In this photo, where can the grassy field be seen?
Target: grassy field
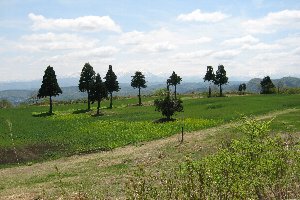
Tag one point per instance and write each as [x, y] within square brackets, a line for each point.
[28, 135]
[105, 175]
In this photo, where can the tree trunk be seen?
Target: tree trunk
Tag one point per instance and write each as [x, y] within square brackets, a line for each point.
[140, 101]
[110, 105]
[50, 111]
[221, 90]
[98, 108]
[89, 102]
[175, 92]
[209, 91]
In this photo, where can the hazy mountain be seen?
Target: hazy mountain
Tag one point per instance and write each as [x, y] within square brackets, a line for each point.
[254, 84]
[18, 92]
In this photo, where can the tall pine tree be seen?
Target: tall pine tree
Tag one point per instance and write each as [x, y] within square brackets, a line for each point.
[174, 80]
[49, 87]
[209, 76]
[138, 81]
[98, 92]
[86, 81]
[220, 78]
[111, 83]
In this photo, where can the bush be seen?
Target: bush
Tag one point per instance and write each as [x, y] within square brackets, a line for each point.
[168, 106]
[258, 166]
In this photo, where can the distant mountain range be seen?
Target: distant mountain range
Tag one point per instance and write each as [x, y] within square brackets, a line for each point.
[18, 92]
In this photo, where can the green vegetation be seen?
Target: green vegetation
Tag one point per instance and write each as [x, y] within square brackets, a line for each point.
[256, 166]
[49, 87]
[138, 81]
[37, 136]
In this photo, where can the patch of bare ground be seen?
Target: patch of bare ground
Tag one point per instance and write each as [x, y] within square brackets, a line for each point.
[106, 172]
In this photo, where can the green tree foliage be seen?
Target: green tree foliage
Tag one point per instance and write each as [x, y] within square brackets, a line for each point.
[111, 83]
[98, 92]
[220, 78]
[86, 81]
[242, 88]
[138, 81]
[168, 106]
[49, 87]
[267, 86]
[209, 76]
[174, 80]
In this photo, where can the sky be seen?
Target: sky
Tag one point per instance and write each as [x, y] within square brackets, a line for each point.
[253, 38]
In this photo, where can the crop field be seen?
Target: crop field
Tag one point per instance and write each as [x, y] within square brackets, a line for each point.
[29, 135]
[35, 137]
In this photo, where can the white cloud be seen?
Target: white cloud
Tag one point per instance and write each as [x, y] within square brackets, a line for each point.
[226, 54]
[52, 41]
[193, 55]
[100, 52]
[153, 41]
[85, 23]
[261, 46]
[199, 16]
[274, 21]
[246, 40]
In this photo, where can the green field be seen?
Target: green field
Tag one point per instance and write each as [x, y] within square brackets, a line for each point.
[36, 136]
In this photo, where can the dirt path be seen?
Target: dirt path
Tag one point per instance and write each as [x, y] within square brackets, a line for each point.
[149, 153]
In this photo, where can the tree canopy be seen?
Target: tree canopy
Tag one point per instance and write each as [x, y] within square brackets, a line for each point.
[209, 76]
[98, 91]
[49, 87]
[86, 80]
[220, 78]
[174, 80]
[267, 86]
[111, 83]
[138, 81]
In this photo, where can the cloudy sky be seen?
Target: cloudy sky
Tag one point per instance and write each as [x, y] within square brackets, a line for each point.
[250, 38]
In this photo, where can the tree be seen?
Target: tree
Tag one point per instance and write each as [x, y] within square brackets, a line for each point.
[138, 81]
[209, 76]
[220, 78]
[242, 88]
[168, 106]
[49, 87]
[267, 86]
[111, 83]
[174, 80]
[98, 92]
[86, 81]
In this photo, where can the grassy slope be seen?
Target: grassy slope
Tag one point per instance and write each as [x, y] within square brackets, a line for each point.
[104, 175]
[72, 131]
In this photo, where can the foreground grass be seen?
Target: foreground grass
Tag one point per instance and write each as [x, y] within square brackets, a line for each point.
[35, 136]
[105, 175]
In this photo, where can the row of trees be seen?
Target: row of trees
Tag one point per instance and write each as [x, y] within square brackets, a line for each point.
[219, 78]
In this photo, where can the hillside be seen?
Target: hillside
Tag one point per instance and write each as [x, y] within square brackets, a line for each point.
[254, 84]
[72, 92]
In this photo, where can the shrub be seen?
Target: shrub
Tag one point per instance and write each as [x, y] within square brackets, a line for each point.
[258, 166]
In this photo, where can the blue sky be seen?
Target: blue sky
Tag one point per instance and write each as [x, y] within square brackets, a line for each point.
[250, 38]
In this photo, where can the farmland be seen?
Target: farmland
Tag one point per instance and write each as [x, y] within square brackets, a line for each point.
[28, 134]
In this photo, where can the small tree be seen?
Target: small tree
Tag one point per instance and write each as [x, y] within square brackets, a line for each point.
[280, 85]
[168, 106]
[242, 88]
[174, 80]
[267, 86]
[86, 81]
[209, 76]
[49, 87]
[111, 83]
[220, 78]
[98, 92]
[138, 81]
